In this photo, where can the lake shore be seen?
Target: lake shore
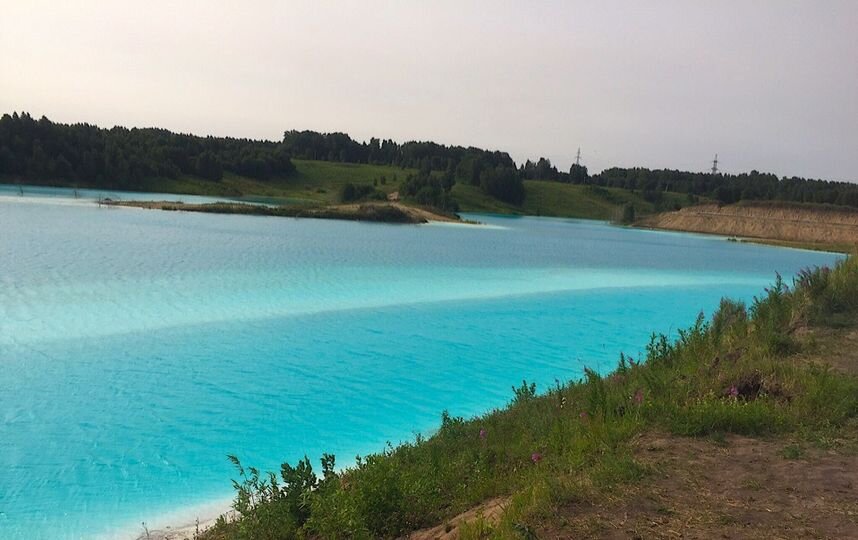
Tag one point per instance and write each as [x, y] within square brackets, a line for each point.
[742, 427]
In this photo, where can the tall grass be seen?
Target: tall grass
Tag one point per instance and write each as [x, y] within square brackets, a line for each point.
[732, 374]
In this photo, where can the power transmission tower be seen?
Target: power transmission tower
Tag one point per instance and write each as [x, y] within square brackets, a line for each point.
[715, 165]
[578, 157]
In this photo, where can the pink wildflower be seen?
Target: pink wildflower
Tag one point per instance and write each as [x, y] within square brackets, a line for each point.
[639, 396]
[583, 415]
[483, 434]
[536, 457]
[734, 392]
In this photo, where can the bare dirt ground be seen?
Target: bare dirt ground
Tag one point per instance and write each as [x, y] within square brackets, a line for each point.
[420, 214]
[491, 511]
[736, 488]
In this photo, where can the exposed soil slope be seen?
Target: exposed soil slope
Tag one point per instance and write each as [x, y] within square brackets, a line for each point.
[813, 224]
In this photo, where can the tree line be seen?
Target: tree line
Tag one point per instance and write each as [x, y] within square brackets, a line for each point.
[122, 158]
[730, 188]
[724, 188]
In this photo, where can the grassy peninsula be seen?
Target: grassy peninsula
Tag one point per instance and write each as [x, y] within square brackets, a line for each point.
[731, 429]
[378, 212]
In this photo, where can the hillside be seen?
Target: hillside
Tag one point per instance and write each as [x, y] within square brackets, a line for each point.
[796, 224]
[556, 199]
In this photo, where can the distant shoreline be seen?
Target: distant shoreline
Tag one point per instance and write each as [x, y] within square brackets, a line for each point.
[815, 227]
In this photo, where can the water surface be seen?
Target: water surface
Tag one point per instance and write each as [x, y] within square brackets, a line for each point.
[139, 347]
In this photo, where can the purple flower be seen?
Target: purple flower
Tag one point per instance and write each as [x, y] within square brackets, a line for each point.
[733, 392]
[483, 434]
[536, 457]
[638, 398]
[583, 415]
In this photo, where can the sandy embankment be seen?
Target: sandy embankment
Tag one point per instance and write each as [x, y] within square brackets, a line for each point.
[800, 224]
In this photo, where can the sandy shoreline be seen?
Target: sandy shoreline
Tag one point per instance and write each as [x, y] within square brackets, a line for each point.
[182, 524]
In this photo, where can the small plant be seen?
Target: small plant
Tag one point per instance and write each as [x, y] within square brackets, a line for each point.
[523, 393]
[792, 451]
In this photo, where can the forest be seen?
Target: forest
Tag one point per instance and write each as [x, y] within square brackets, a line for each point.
[122, 158]
[731, 188]
[42, 151]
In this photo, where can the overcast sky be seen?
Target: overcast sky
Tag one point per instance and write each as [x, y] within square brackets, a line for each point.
[771, 85]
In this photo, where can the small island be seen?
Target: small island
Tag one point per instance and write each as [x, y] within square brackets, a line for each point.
[390, 212]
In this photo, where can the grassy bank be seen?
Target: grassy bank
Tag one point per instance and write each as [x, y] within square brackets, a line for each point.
[751, 373]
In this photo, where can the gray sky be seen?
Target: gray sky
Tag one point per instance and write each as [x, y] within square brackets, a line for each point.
[771, 85]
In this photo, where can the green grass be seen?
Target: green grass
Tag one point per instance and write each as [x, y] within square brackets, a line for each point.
[554, 199]
[318, 182]
[733, 374]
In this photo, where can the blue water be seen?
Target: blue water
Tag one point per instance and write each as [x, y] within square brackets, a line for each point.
[72, 195]
[139, 347]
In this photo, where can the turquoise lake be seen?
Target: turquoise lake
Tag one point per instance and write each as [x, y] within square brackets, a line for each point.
[138, 347]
